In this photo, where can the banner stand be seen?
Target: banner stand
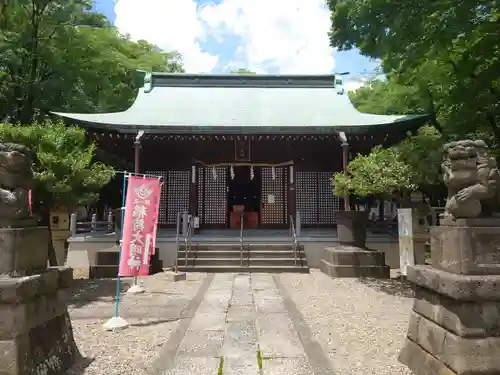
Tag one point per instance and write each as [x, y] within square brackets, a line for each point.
[136, 288]
[117, 322]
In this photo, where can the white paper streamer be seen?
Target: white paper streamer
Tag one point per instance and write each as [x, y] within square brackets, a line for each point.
[145, 254]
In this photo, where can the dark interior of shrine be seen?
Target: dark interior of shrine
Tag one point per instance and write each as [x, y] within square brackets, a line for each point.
[243, 190]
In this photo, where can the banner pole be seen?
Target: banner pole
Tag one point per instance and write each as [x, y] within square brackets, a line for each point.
[116, 322]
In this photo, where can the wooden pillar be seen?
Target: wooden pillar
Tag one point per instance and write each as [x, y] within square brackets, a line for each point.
[292, 209]
[193, 192]
[345, 161]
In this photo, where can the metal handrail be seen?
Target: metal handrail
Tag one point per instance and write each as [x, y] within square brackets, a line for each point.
[177, 241]
[187, 240]
[295, 242]
[241, 240]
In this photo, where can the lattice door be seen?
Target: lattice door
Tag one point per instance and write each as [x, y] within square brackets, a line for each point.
[306, 198]
[215, 196]
[274, 213]
[177, 194]
[162, 217]
[328, 204]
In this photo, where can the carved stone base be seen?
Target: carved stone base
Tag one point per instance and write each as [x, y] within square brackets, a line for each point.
[350, 261]
[23, 251]
[35, 330]
[453, 327]
[351, 228]
[467, 246]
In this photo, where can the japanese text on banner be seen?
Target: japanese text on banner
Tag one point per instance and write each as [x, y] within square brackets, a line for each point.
[139, 225]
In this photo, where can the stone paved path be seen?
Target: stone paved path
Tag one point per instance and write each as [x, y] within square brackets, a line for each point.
[242, 324]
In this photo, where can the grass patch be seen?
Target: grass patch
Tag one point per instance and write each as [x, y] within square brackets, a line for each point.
[221, 366]
[261, 358]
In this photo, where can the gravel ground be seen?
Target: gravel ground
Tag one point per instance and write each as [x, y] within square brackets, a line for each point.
[360, 324]
[152, 317]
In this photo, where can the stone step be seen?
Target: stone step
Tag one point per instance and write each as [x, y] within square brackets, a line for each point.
[237, 246]
[236, 254]
[251, 268]
[245, 261]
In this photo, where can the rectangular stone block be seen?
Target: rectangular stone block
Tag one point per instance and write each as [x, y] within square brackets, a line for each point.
[461, 355]
[466, 250]
[459, 287]
[23, 251]
[421, 362]
[174, 276]
[18, 289]
[202, 344]
[346, 255]
[277, 336]
[17, 319]
[65, 276]
[333, 270]
[15, 356]
[48, 349]
[463, 318]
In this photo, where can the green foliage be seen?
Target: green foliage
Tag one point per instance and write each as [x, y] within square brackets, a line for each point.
[60, 55]
[381, 97]
[423, 154]
[444, 54]
[381, 173]
[64, 169]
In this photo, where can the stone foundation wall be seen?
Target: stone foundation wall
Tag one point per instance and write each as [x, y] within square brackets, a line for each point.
[36, 336]
[454, 326]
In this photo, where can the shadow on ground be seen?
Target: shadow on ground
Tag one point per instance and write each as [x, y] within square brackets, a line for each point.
[79, 367]
[83, 292]
[393, 286]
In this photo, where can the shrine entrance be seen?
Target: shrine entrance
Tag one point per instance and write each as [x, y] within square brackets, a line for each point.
[244, 196]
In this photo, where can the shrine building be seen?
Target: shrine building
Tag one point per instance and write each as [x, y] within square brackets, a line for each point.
[267, 145]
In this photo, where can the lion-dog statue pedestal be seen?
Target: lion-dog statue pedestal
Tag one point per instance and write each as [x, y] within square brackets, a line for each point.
[36, 336]
[455, 323]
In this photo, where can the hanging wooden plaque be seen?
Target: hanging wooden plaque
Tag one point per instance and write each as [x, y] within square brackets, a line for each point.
[242, 150]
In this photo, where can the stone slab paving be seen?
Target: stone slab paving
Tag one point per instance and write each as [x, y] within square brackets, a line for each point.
[245, 324]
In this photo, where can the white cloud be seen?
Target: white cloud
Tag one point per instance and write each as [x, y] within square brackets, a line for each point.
[287, 36]
[173, 25]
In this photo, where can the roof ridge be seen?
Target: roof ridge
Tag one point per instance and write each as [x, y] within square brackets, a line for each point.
[159, 79]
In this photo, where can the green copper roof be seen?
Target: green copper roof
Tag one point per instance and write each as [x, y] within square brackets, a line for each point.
[187, 103]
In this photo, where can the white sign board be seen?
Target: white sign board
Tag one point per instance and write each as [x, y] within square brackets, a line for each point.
[270, 199]
[405, 230]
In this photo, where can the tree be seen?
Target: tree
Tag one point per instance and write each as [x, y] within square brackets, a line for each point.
[65, 173]
[64, 170]
[60, 55]
[380, 174]
[383, 97]
[449, 56]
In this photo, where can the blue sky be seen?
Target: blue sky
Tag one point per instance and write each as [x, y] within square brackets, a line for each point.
[287, 36]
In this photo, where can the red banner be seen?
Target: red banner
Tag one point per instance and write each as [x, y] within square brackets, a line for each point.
[157, 211]
[139, 225]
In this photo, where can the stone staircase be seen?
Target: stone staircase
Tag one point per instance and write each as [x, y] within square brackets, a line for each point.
[226, 257]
